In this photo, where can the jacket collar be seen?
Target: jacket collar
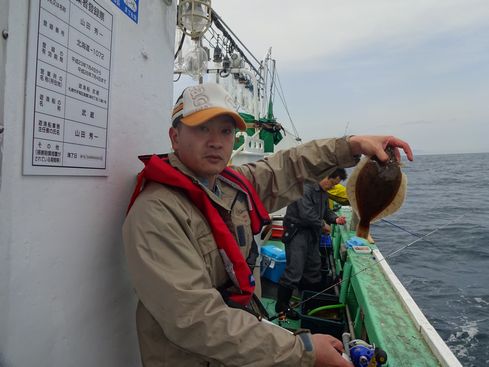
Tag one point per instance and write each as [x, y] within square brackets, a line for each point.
[223, 201]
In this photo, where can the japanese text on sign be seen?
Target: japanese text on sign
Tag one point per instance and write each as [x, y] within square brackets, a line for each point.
[67, 119]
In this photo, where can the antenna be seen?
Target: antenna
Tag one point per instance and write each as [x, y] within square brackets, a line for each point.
[346, 127]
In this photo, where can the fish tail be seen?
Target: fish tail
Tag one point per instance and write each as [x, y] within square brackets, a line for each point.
[362, 231]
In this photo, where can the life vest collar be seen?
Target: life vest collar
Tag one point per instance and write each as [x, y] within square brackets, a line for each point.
[158, 169]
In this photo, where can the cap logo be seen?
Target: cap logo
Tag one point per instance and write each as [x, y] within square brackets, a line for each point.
[198, 96]
[211, 97]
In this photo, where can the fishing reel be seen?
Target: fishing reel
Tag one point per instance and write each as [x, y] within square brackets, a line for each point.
[362, 354]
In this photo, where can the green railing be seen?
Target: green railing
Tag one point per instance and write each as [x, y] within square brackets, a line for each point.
[378, 314]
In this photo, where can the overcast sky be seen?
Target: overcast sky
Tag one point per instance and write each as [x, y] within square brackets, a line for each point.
[418, 69]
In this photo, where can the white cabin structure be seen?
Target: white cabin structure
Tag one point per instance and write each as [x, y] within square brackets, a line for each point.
[65, 296]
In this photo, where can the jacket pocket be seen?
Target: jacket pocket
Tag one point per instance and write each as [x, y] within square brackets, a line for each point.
[212, 259]
[289, 234]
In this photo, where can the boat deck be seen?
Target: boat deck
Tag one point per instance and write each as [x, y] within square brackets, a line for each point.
[381, 309]
[382, 315]
[386, 321]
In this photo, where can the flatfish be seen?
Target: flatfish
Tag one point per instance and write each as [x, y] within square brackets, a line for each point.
[376, 190]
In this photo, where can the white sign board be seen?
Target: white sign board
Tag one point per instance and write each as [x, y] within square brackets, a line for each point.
[68, 88]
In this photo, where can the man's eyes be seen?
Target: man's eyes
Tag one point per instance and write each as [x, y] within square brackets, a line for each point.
[225, 131]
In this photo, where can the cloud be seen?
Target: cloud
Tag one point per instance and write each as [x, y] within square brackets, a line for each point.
[308, 33]
[418, 69]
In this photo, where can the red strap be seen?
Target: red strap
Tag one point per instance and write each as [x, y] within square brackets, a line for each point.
[159, 170]
[258, 214]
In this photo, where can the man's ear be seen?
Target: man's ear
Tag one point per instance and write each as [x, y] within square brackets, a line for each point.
[174, 138]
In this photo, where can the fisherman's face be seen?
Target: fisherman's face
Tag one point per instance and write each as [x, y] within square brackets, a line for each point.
[328, 183]
[205, 149]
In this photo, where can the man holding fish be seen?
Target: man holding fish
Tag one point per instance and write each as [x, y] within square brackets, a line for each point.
[189, 239]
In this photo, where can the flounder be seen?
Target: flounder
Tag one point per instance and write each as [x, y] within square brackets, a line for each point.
[376, 190]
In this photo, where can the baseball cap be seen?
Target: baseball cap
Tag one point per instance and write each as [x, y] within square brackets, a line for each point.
[200, 103]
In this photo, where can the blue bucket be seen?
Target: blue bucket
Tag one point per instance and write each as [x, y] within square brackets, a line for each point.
[325, 241]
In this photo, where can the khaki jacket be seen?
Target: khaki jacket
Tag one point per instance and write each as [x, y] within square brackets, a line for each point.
[175, 265]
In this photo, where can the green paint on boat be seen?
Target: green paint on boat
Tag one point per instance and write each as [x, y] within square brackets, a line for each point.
[378, 314]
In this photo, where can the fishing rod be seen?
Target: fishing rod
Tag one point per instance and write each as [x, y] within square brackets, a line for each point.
[373, 264]
[404, 229]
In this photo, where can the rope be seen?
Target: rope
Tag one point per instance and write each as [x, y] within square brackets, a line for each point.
[282, 98]
[180, 45]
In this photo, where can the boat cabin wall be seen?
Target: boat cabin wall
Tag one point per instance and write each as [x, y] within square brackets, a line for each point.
[65, 295]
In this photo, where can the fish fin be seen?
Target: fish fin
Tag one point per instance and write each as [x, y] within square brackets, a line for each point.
[396, 202]
[351, 184]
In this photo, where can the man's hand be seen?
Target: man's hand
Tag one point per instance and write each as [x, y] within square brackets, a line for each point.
[341, 220]
[326, 228]
[371, 145]
[328, 351]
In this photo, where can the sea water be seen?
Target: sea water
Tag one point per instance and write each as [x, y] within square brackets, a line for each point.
[448, 276]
